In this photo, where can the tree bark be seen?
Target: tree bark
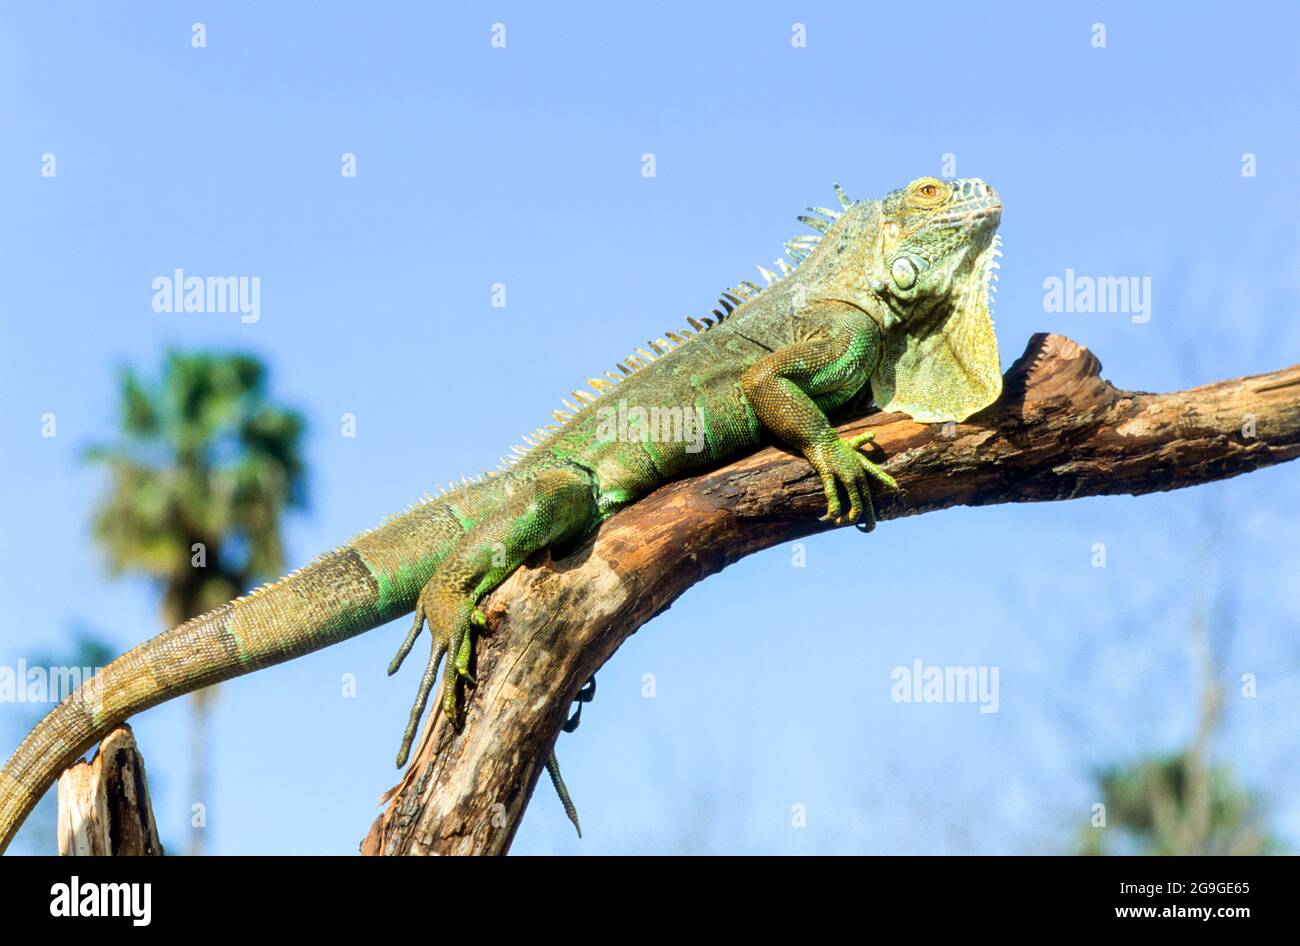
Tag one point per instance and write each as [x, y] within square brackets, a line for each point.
[1058, 431]
[104, 806]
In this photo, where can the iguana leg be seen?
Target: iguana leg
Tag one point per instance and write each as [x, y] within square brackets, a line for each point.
[556, 506]
[791, 388]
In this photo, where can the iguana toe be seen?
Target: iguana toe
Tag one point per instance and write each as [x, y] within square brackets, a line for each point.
[421, 700]
[841, 466]
[451, 618]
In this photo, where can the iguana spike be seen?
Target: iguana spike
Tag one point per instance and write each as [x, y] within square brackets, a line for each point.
[600, 384]
[815, 222]
[845, 202]
[826, 212]
[661, 346]
[673, 336]
[585, 396]
[695, 323]
[733, 295]
[615, 379]
[645, 354]
[623, 368]
[796, 252]
[560, 415]
[572, 407]
[768, 276]
[720, 315]
[784, 267]
[751, 287]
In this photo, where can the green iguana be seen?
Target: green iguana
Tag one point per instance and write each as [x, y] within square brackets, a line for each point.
[887, 297]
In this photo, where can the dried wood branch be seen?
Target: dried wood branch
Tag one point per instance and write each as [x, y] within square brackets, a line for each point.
[1059, 431]
[104, 805]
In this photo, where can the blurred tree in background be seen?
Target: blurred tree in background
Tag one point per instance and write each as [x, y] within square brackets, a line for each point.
[1182, 803]
[1179, 805]
[203, 468]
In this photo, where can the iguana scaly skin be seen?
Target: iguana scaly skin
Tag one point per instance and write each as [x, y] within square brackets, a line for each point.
[893, 294]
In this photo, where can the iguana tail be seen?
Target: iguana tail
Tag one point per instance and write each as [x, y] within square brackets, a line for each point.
[348, 591]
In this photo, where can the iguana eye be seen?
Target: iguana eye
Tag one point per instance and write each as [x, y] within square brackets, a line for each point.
[904, 273]
[929, 192]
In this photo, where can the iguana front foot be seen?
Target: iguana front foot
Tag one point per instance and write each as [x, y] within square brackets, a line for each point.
[839, 464]
[451, 617]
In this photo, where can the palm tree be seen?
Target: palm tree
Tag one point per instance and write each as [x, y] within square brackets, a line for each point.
[202, 470]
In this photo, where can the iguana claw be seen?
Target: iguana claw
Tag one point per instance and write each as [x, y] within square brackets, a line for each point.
[839, 464]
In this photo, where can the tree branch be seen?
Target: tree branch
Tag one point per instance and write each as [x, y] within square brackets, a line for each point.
[104, 806]
[1058, 432]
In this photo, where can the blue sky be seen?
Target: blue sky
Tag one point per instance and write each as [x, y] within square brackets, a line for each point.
[522, 165]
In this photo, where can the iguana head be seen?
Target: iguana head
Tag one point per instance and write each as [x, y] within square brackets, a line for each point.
[934, 236]
[929, 278]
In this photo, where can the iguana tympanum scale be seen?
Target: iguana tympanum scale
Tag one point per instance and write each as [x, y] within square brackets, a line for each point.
[891, 297]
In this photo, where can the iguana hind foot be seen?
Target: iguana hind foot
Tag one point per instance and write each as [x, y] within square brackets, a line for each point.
[585, 695]
[551, 507]
[553, 770]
